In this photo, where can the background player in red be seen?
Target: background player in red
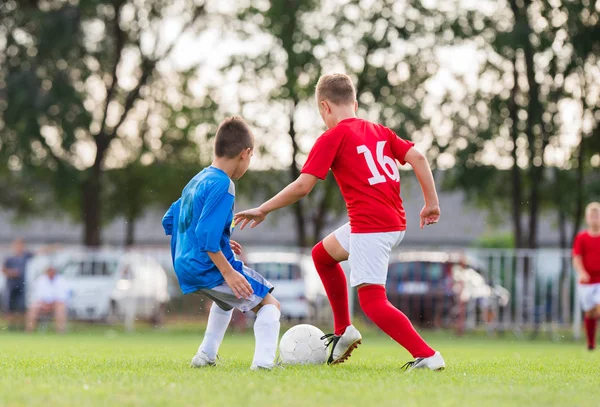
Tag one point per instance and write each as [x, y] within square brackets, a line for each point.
[363, 158]
[586, 261]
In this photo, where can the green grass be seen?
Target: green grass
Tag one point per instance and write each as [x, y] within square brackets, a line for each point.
[102, 367]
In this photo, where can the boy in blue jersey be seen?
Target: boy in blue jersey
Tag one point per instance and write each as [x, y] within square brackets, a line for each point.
[200, 225]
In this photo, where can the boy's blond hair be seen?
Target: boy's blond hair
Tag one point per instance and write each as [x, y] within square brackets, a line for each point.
[592, 206]
[336, 88]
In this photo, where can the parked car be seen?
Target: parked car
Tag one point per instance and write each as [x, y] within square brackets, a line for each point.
[297, 284]
[109, 285]
[433, 287]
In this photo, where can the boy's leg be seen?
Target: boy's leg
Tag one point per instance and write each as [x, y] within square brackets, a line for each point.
[327, 256]
[266, 332]
[218, 321]
[369, 263]
[373, 301]
[590, 302]
[590, 330]
[266, 307]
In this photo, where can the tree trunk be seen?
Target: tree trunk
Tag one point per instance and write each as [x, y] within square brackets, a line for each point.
[533, 117]
[130, 231]
[561, 210]
[91, 208]
[295, 173]
[579, 183]
[517, 193]
[92, 197]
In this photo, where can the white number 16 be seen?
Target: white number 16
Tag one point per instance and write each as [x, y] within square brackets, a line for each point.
[386, 163]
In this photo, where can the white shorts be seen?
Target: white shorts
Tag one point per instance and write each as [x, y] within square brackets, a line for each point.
[589, 296]
[369, 254]
[225, 299]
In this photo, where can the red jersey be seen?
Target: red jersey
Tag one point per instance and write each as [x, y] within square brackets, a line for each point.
[362, 156]
[588, 247]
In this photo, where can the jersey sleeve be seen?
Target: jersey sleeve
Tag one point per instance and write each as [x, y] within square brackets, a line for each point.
[168, 219]
[214, 217]
[578, 246]
[322, 155]
[399, 147]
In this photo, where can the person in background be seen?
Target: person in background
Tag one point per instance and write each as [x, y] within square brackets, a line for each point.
[50, 295]
[586, 262]
[14, 271]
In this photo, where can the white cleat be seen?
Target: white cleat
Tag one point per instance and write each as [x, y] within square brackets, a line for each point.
[201, 359]
[342, 346]
[435, 363]
[271, 366]
[257, 367]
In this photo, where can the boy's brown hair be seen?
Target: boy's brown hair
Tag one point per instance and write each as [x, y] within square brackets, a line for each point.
[336, 88]
[233, 137]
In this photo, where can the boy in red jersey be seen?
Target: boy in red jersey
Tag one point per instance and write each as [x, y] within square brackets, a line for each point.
[363, 157]
[586, 262]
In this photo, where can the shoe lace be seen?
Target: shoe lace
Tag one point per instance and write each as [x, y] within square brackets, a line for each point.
[410, 364]
[330, 338]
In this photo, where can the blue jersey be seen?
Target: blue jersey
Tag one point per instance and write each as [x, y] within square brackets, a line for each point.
[201, 221]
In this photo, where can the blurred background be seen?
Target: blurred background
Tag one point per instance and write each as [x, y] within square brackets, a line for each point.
[108, 108]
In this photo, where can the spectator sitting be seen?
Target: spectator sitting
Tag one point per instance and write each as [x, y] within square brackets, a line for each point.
[50, 295]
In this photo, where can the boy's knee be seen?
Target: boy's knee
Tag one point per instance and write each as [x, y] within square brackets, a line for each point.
[320, 255]
[269, 300]
[275, 303]
[316, 250]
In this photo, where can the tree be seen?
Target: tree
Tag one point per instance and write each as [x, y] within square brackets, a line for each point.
[77, 76]
[309, 38]
[159, 173]
[533, 66]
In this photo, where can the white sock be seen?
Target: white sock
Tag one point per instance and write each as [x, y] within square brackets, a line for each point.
[266, 335]
[218, 321]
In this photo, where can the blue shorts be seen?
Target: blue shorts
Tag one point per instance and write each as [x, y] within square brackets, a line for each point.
[14, 299]
[224, 297]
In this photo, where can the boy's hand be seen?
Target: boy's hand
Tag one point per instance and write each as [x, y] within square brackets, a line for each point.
[236, 247]
[256, 215]
[430, 214]
[584, 277]
[238, 284]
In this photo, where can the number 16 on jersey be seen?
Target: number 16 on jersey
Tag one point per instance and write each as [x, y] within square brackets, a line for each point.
[387, 164]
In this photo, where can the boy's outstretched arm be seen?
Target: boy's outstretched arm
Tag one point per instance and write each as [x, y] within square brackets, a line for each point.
[289, 195]
[430, 213]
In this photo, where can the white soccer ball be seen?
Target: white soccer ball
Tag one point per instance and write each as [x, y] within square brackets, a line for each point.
[303, 345]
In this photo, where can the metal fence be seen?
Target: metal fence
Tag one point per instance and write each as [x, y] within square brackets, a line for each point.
[541, 283]
[542, 287]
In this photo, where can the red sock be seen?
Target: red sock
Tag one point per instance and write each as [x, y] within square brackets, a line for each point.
[373, 300]
[334, 281]
[590, 330]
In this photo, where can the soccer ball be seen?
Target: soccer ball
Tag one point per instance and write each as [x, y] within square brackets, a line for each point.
[303, 345]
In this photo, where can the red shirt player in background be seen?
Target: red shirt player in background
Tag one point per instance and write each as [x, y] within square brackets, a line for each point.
[363, 157]
[586, 261]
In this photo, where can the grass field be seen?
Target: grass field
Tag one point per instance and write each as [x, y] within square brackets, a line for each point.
[151, 369]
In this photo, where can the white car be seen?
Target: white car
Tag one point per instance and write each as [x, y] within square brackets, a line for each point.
[109, 284]
[298, 287]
